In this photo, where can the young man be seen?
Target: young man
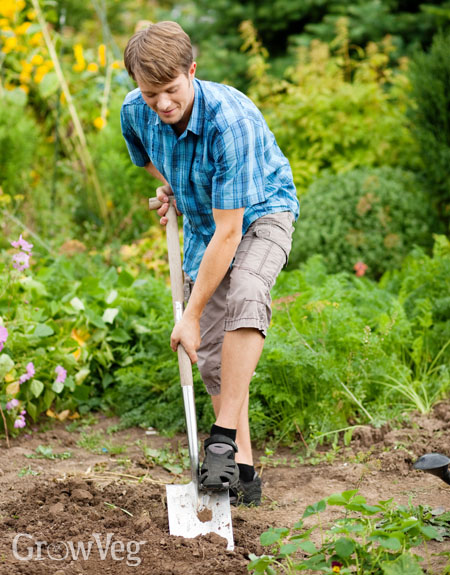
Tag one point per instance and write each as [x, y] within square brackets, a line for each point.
[212, 149]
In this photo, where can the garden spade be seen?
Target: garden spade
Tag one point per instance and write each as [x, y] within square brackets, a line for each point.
[191, 512]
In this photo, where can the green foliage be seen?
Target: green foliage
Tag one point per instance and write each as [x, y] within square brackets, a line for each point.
[371, 216]
[109, 330]
[332, 113]
[19, 141]
[373, 539]
[335, 340]
[430, 79]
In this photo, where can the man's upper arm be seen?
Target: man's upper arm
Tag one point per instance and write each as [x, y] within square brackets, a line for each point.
[136, 149]
[229, 222]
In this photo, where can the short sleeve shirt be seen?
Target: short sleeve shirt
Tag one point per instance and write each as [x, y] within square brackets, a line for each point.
[227, 158]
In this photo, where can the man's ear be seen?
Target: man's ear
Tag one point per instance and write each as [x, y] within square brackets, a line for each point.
[192, 70]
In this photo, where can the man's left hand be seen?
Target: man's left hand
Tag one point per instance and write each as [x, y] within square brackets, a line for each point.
[187, 333]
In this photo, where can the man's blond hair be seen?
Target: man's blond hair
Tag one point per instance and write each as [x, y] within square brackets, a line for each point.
[159, 53]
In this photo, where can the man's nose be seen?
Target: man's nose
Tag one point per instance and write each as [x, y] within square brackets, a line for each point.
[163, 102]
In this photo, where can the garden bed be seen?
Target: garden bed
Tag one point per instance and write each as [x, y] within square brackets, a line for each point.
[61, 500]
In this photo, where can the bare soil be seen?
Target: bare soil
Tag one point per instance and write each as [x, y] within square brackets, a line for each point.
[98, 497]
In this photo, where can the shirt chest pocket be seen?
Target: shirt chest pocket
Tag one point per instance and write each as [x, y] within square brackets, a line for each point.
[201, 177]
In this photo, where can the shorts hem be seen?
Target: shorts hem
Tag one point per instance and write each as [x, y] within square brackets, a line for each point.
[234, 324]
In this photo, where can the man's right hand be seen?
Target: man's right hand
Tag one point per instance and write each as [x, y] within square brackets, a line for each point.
[163, 193]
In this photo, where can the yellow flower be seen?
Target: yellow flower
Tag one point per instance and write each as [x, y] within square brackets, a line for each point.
[26, 89]
[31, 14]
[99, 123]
[92, 67]
[22, 29]
[4, 23]
[36, 39]
[40, 73]
[79, 57]
[9, 45]
[37, 60]
[102, 55]
[116, 65]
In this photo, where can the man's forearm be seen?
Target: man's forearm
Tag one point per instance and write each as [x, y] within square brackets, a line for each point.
[150, 168]
[215, 263]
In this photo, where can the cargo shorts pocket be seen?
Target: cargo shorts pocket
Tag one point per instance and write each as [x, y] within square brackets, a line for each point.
[265, 248]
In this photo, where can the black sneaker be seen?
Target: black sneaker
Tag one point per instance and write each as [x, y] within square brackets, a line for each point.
[247, 493]
[219, 471]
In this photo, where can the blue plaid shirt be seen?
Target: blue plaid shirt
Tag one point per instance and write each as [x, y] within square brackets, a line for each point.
[227, 158]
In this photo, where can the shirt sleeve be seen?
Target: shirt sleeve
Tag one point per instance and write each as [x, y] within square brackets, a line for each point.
[136, 149]
[238, 181]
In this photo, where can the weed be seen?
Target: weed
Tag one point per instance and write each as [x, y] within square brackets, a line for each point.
[46, 452]
[367, 539]
[82, 423]
[96, 443]
[174, 462]
[27, 471]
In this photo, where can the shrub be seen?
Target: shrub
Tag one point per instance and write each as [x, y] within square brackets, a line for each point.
[430, 79]
[19, 139]
[370, 216]
[333, 113]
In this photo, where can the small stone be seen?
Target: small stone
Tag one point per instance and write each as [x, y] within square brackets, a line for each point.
[57, 508]
[81, 495]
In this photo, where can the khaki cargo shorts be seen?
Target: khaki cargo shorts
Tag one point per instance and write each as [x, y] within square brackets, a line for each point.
[243, 299]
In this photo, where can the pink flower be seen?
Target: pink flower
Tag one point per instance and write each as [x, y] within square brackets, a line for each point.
[11, 404]
[61, 374]
[21, 261]
[3, 336]
[22, 244]
[29, 373]
[360, 269]
[20, 422]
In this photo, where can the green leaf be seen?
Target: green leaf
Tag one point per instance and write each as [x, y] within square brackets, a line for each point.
[404, 565]
[336, 499]
[36, 387]
[391, 543]
[109, 314]
[77, 304]
[6, 365]
[43, 330]
[95, 319]
[429, 531]
[49, 85]
[32, 410]
[315, 508]
[125, 279]
[273, 535]
[344, 547]
[58, 386]
[308, 546]
[119, 335]
[288, 548]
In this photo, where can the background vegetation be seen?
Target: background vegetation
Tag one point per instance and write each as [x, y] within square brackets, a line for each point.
[358, 96]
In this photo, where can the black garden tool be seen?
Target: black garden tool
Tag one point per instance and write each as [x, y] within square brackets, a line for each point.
[436, 464]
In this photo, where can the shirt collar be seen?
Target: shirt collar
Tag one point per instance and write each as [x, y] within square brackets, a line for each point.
[195, 123]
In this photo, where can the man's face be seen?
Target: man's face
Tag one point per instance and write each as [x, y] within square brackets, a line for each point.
[173, 101]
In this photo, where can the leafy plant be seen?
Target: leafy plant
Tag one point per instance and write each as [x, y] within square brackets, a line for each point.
[366, 540]
[371, 217]
[430, 80]
[175, 462]
[46, 452]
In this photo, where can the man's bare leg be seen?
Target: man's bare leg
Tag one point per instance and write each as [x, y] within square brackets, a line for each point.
[241, 351]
